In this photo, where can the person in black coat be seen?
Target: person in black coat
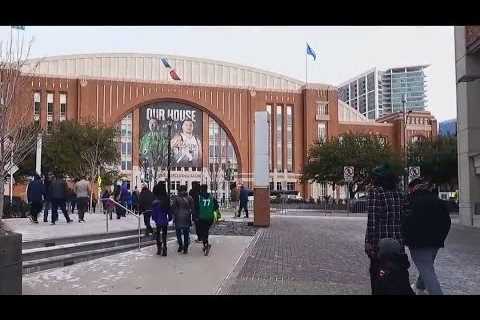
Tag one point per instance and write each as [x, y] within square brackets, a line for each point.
[145, 201]
[424, 228]
[35, 195]
[392, 276]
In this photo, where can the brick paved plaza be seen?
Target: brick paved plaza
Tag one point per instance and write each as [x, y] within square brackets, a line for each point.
[324, 255]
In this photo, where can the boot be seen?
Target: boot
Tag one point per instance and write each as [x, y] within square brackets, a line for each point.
[180, 249]
[185, 250]
[164, 251]
[159, 252]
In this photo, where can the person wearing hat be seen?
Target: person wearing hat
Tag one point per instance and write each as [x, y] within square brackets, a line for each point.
[424, 228]
[385, 207]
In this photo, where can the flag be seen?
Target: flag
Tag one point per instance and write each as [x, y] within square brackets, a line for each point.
[165, 63]
[311, 52]
[174, 75]
[18, 27]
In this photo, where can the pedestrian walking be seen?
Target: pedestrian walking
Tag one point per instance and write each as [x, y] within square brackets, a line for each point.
[207, 207]
[124, 195]
[108, 205]
[116, 197]
[72, 198]
[161, 215]
[424, 228]
[82, 191]
[384, 203]
[145, 204]
[243, 201]
[48, 198]
[234, 197]
[194, 193]
[35, 196]
[58, 192]
[182, 207]
[135, 200]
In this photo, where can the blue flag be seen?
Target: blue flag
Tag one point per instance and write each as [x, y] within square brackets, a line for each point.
[311, 52]
[165, 63]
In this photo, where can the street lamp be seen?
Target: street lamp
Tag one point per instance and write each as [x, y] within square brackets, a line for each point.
[405, 143]
[169, 124]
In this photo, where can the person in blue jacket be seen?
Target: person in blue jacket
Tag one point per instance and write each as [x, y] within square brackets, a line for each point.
[161, 215]
[244, 192]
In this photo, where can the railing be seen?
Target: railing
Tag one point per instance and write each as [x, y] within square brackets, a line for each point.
[127, 211]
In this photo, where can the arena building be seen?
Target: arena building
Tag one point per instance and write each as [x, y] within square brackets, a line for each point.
[212, 105]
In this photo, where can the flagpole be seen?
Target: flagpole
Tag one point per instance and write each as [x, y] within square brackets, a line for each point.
[306, 68]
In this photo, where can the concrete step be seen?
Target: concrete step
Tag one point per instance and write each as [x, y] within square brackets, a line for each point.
[76, 257]
[80, 238]
[68, 248]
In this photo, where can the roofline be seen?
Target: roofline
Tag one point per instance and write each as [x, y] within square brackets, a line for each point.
[374, 69]
[132, 54]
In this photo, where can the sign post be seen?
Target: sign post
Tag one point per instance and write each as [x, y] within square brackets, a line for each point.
[413, 173]
[348, 173]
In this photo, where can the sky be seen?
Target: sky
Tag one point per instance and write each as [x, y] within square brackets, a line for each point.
[342, 52]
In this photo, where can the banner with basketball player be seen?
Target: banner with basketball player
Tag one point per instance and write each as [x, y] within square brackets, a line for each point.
[186, 139]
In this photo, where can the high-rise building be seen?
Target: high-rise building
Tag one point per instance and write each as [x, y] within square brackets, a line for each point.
[375, 93]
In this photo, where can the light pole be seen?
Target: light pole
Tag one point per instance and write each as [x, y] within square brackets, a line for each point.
[405, 175]
[169, 124]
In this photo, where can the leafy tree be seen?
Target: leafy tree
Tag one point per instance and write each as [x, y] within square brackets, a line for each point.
[437, 160]
[326, 160]
[79, 150]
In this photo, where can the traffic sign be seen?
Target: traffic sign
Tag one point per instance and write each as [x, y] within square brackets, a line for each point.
[413, 173]
[348, 173]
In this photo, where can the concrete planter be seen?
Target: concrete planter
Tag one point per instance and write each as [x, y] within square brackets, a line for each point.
[10, 263]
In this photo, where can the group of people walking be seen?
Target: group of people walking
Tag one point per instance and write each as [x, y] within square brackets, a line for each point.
[54, 194]
[418, 220]
[197, 206]
[120, 195]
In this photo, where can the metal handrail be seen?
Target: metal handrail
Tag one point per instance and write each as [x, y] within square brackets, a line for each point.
[129, 212]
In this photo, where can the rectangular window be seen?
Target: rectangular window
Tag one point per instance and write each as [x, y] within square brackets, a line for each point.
[322, 108]
[269, 122]
[49, 103]
[63, 106]
[279, 136]
[279, 186]
[272, 186]
[290, 186]
[289, 139]
[322, 131]
[36, 104]
[49, 126]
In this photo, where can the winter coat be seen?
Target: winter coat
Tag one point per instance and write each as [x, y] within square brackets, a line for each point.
[145, 200]
[58, 189]
[196, 204]
[244, 195]
[47, 184]
[36, 191]
[161, 215]
[393, 277]
[426, 222]
[182, 207]
[124, 194]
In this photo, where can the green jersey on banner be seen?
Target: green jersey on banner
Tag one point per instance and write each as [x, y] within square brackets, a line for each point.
[206, 208]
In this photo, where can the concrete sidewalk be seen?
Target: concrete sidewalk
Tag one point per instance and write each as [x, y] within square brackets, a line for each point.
[143, 272]
[95, 223]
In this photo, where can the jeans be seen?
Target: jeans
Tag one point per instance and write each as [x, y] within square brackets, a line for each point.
[374, 269]
[245, 207]
[186, 236]
[203, 229]
[36, 207]
[82, 205]
[48, 206]
[424, 258]
[163, 241]
[56, 203]
[147, 215]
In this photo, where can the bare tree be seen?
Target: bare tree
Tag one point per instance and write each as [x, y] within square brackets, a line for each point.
[18, 134]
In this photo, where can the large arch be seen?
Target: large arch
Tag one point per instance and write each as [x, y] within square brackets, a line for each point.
[197, 106]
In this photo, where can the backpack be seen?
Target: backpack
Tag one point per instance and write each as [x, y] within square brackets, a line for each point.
[205, 206]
